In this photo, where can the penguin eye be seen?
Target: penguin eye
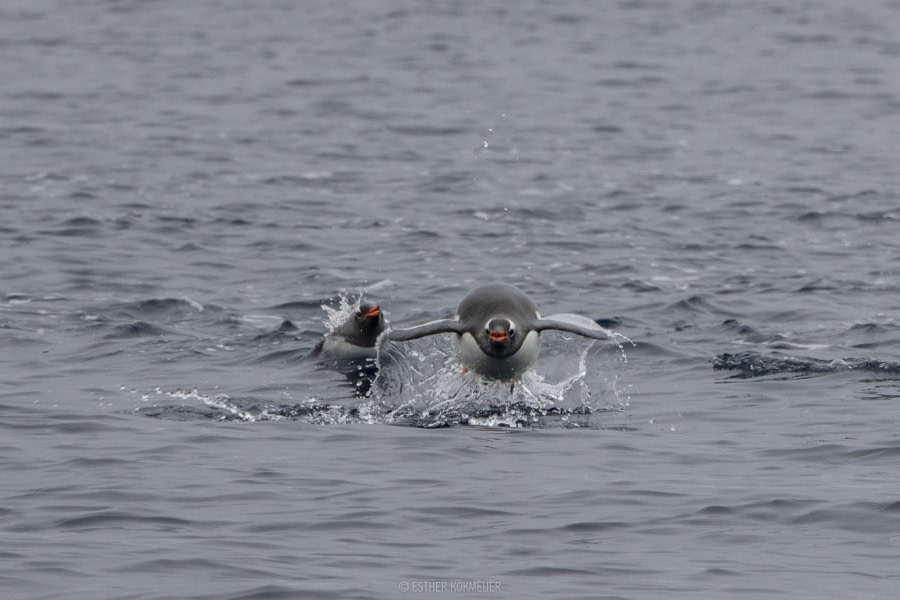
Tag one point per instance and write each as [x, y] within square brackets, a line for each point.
[512, 331]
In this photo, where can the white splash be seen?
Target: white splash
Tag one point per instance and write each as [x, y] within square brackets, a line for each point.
[223, 402]
[423, 381]
[346, 307]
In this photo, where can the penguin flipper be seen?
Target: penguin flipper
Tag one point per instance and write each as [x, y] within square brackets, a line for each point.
[573, 324]
[425, 329]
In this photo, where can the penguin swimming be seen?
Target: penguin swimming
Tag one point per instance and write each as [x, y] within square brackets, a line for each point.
[497, 330]
[351, 348]
[355, 338]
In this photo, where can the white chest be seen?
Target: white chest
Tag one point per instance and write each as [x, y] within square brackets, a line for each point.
[472, 357]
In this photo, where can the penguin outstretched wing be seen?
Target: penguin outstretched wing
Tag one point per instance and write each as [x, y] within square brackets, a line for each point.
[425, 329]
[572, 324]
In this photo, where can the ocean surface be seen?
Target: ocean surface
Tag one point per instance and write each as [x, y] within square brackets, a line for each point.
[185, 185]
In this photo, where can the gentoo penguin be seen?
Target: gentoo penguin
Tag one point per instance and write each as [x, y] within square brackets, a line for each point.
[497, 330]
[355, 338]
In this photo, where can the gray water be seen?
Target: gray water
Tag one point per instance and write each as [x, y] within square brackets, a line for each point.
[184, 185]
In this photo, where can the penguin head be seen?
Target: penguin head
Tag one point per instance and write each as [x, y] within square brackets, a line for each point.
[500, 338]
[369, 316]
[364, 326]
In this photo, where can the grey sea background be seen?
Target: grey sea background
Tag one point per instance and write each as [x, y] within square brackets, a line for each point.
[184, 185]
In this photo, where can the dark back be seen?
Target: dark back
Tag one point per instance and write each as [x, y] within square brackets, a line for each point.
[497, 300]
[359, 329]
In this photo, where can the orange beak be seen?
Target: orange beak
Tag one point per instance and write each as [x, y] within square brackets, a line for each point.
[373, 312]
[498, 336]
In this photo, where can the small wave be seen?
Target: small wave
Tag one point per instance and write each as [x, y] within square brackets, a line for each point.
[837, 453]
[753, 364]
[854, 516]
[134, 521]
[164, 309]
[749, 334]
[299, 304]
[81, 226]
[696, 304]
[285, 331]
[137, 329]
[428, 130]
